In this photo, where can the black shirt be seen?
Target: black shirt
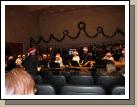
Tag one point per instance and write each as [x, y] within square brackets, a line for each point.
[30, 64]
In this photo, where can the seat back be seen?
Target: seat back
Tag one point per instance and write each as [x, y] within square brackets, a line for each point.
[119, 90]
[57, 81]
[82, 90]
[38, 79]
[109, 82]
[45, 90]
[81, 80]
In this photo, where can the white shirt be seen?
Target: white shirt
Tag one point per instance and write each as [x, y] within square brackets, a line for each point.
[76, 58]
[18, 61]
[60, 62]
[108, 58]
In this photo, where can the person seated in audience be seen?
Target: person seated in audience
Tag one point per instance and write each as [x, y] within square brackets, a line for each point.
[108, 57]
[31, 62]
[19, 61]
[76, 57]
[19, 82]
[58, 59]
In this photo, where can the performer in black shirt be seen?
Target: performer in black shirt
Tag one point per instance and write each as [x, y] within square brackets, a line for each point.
[31, 62]
[86, 57]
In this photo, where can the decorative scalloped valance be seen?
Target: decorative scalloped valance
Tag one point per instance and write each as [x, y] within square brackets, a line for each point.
[81, 27]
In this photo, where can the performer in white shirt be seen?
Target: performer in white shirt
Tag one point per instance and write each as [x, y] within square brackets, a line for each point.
[109, 57]
[19, 61]
[59, 60]
[76, 57]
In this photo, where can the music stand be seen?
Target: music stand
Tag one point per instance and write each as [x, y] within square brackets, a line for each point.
[54, 65]
[74, 63]
[74, 68]
[54, 68]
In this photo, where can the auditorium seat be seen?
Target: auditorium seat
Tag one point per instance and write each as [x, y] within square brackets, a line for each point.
[109, 82]
[38, 79]
[119, 90]
[67, 75]
[82, 90]
[45, 74]
[45, 90]
[57, 81]
[81, 80]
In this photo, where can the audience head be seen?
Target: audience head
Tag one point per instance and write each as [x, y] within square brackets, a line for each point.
[19, 82]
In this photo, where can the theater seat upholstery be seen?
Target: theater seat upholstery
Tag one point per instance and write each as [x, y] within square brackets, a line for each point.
[45, 90]
[82, 90]
[119, 90]
[81, 80]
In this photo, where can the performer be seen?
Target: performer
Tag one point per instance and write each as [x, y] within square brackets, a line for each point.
[58, 59]
[86, 62]
[31, 62]
[108, 56]
[51, 54]
[19, 61]
[10, 63]
[76, 57]
[122, 58]
[45, 60]
[86, 57]
[110, 64]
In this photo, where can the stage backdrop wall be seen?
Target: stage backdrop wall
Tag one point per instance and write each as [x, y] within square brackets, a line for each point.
[109, 17]
[20, 25]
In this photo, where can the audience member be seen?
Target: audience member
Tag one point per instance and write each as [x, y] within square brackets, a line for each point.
[19, 82]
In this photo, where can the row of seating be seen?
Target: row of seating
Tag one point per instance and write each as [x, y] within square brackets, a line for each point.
[78, 90]
[107, 82]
